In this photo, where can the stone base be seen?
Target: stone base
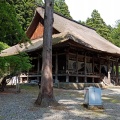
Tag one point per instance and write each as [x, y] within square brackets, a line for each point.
[77, 86]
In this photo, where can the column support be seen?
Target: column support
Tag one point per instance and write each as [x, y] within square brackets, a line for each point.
[67, 71]
[85, 72]
[38, 67]
[117, 73]
[56, 68]
[77, 67]
[109, 71]
[93, 65]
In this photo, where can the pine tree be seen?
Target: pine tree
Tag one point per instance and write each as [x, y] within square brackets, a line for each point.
[99, 25]
[115, 34]
[25, 10]
[82, 22]
[61, 7]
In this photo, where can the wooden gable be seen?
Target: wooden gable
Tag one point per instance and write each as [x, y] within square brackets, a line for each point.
[36, 28]
[38, 33]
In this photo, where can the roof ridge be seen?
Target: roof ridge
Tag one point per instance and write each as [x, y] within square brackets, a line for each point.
[69, 19]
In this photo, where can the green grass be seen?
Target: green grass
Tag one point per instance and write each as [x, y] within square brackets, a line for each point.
[115, 101]
[30, 88]
[1, 117]
[111, 100]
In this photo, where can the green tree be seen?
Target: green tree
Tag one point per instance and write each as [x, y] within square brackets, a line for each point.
[14, 64]
[10, 30]
[18, 63]
[61, 7]
[2, 62]
[99, 25]
[82, 22]
[115, 35]
[25, 10]
[3, 46]
[10, 34]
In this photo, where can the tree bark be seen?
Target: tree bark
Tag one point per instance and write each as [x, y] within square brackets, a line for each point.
[46, 97]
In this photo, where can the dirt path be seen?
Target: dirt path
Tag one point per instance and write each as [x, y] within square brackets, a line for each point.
[21, 106]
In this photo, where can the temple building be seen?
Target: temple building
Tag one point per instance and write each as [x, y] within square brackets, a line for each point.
[79, 55]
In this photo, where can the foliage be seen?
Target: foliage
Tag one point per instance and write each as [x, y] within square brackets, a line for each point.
[115, 34]
[99, 25]
[106, 31]
[82, 22]
[10, 30]
[11, 33]
[25, 10]
[61, 7]
[14, 64]
[3, 46]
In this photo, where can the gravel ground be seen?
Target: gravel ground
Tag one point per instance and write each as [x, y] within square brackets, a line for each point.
[20, 106]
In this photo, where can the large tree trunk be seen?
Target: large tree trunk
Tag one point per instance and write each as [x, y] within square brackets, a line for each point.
[46, 97]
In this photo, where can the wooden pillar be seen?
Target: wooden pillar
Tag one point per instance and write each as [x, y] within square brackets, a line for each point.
[38, 68]
[67, 72]
[17, 83]
[27, 77]
[100, 67]
[93, 65]
[85, 70]
[109, 71]
[117, 72]
[56, 69]
[77, 67]
[108, 67]
[112, 73]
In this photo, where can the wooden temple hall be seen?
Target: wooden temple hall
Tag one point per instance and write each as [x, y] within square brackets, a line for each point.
[80, 55]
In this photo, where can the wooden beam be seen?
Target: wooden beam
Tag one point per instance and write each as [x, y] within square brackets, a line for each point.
[59, 54]
[56, 68]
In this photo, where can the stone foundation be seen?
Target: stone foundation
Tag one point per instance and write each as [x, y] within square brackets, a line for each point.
[77, 86]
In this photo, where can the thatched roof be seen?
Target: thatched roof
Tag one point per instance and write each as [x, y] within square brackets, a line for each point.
[68, 29]
[83, 34]
[34, 45]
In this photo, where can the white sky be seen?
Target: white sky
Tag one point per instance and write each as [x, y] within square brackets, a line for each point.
[82, 9]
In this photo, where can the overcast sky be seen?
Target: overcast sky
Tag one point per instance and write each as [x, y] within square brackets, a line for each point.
[82, 9]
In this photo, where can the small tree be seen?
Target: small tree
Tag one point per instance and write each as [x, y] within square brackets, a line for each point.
[14, 64]
[46, 97]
